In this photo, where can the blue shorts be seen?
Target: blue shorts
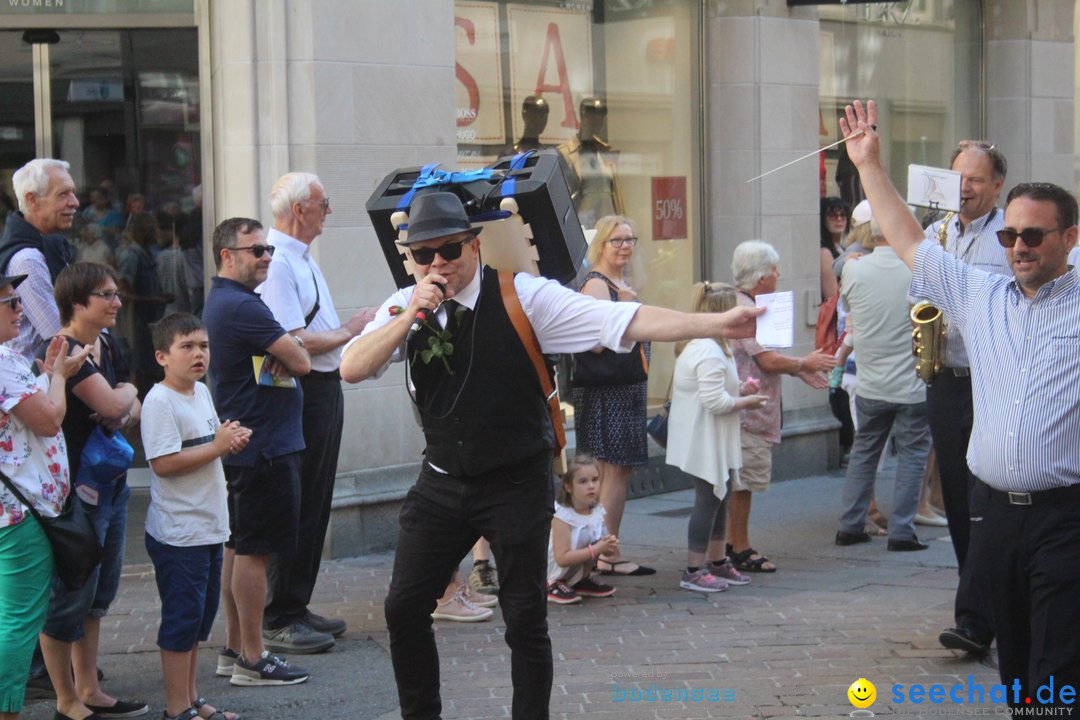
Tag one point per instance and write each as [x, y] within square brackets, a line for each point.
[68, 608]
[189, 583]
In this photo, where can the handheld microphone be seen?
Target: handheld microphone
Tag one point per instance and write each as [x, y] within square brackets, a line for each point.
[422, 315]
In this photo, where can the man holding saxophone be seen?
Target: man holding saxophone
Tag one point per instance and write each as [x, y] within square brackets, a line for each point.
[970, 236]
[1021, 335]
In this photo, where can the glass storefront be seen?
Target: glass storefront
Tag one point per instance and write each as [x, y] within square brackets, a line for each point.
[921, 61]
[615, 88]
[122, 107]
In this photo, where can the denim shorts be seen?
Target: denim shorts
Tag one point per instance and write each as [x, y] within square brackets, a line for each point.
[189, 584]
[68, 608]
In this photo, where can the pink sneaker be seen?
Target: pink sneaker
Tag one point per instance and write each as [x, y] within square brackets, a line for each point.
[702, 581]
[727, 572]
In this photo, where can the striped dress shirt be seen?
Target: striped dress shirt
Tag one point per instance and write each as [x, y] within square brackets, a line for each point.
[1025, 369]
[978, 246]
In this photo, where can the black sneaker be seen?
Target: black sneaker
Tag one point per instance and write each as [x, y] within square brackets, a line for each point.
[226, 658]
[587, 587]
[330, 626]
[297, 639]
[962, 638]
[122, 709]
[267, 670]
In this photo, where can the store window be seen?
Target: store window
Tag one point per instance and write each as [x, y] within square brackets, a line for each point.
[613, 86]
[920, 61]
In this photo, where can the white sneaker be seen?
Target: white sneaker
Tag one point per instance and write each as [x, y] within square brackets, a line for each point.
[480, 599]
[460, 609]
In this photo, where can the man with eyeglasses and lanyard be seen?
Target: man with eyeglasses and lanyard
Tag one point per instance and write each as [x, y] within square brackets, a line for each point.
[971, 238]
[248, 346]
[296, 292]
[1022, 338]
[489, 435]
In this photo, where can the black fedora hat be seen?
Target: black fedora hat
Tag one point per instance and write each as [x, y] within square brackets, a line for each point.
[437, 215]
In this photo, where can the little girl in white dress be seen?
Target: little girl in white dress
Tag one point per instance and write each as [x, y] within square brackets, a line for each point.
[578, 536]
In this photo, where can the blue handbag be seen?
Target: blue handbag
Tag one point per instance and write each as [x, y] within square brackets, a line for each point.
[105, 458]
[657, 427]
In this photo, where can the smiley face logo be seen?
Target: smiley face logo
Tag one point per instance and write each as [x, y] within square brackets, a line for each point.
[862, 693]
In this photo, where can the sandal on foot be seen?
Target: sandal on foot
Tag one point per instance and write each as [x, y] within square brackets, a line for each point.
[873, 530]
[878, 519]
[611, 568]
[189, 714]
[746, 561]
[199, 704]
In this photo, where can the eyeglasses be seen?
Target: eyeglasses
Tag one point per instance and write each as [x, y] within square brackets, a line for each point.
[836, 214]
[449, 251]
[325, 204]
[108, 296]
[12, 301]
[257, 250]
[623, 242]
[1032, 237]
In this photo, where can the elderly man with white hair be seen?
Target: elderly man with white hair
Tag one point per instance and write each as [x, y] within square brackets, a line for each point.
[47, 204]
[754, 267]
[297, 294]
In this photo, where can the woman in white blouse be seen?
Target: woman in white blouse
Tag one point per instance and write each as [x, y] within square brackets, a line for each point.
[703, 441]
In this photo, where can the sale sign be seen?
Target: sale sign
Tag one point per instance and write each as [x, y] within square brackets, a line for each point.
[669, 208]
[479, 89]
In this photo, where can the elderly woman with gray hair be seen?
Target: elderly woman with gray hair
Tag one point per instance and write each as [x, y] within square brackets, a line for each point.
[754, 266]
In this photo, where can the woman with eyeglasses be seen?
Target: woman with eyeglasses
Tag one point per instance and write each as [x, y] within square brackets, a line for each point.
[610, 420]
[33, 458]
[835, 222]
[97, 394]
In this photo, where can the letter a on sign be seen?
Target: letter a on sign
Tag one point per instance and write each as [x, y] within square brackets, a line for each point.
[554, 42]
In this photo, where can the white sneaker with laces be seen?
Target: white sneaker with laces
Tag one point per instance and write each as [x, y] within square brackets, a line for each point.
[460, 609]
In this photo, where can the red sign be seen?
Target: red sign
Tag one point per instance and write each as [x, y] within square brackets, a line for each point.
[669, 208]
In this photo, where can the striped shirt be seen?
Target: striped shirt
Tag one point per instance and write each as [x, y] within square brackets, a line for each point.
[977, 246]
[1024, 373]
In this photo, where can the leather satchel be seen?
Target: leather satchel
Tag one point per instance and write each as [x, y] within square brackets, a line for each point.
[75, 547]
[609, 368]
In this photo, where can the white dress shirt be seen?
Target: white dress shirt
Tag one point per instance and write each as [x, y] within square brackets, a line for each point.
[289, 292]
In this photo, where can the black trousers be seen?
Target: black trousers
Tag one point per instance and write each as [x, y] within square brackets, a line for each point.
[291, 578]
[949, 410]
[1027, 561]
[441, 518]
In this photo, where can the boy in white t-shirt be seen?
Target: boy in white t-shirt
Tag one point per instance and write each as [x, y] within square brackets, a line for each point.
[187, 520]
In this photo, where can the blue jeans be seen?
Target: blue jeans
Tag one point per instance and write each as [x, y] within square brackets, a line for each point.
[911, 431]
[68, 608]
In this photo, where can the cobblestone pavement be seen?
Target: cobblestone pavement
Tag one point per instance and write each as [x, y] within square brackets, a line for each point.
[787, 645]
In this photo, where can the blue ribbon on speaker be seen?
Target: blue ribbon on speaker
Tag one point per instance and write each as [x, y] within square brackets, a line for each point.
[430, 176]
[518, 162]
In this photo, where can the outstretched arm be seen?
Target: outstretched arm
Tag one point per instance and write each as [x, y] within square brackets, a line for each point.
[899, 226]
[661, 324]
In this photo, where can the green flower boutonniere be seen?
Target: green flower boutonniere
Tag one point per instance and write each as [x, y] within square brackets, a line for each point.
[440, 343]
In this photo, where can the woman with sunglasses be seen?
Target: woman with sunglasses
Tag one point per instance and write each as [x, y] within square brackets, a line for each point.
[610, 420]
[88, 301]
[33, 458]
[835, 222]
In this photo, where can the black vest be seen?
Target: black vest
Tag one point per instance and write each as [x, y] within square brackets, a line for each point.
[501, 417]
[19, 235]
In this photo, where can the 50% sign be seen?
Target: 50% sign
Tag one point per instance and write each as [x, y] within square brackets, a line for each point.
[669, 208]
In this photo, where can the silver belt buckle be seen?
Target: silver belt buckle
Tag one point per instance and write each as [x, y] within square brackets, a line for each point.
[1019, 498]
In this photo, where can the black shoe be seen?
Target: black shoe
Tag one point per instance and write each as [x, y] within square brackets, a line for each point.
[296, 638]
[906, 545]
[122, 709]
[962, 638]
[61, 716]
[846, 538]
[318, 623]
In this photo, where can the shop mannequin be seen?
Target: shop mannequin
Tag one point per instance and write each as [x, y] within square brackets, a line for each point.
[534, 113]
[590, 164]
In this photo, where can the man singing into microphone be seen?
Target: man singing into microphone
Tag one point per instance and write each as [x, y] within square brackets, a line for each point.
[490, 442]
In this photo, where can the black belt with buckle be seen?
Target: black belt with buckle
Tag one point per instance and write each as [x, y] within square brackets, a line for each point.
[1058, 494]
[960, 372]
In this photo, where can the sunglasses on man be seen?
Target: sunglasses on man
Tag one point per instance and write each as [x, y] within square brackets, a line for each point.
[257, 250]
[12, 301]
[1032, 237]
[449, 251]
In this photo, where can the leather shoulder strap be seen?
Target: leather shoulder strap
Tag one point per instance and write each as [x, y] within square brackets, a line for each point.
[532, 346]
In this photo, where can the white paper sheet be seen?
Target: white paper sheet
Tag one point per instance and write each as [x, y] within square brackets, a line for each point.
[776, 328]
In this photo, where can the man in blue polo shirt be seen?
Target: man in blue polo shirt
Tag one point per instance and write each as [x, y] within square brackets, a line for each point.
[253, 367]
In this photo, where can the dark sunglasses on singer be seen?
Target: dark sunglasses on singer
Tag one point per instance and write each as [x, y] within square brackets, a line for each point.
[449, 251]
[1032, 237]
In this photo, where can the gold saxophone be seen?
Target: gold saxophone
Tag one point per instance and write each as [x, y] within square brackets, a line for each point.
[928, 333]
